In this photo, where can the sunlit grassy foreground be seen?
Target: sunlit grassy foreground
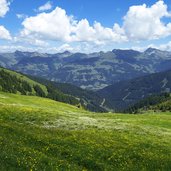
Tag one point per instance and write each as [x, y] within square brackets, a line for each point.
[41, 134]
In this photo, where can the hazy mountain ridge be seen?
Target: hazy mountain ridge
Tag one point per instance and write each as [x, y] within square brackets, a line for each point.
[92, 71]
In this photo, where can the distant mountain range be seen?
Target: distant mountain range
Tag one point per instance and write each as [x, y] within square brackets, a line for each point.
[91, 71]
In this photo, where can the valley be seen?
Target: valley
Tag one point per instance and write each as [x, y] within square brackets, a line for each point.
[48, 125]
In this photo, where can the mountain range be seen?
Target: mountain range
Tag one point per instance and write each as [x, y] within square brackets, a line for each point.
[89, 71]
[119, 78]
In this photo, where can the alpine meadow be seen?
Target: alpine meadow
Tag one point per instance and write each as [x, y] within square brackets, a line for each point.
[85, 86]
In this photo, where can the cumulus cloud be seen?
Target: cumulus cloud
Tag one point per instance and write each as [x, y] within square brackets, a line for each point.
[45, 7]
[57, 25]
[4, 33]
[144, 23]
[97, 33]
[140, 23]
[4, 7]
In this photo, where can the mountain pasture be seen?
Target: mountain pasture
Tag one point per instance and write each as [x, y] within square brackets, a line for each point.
[42, 134]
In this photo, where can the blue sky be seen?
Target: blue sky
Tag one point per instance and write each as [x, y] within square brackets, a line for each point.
[83, 25]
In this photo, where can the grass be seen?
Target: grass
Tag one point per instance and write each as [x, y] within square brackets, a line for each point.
[41, 134]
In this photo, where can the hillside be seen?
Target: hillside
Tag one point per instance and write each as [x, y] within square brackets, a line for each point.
[159, 102]
[14, 82]
[89, 99]
[154, 103]
[17, 83]
[38, 133]
[126, 93]
[91, 71]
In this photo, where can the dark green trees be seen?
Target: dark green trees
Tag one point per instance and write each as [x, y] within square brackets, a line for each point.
[12, 84]
[39, 91]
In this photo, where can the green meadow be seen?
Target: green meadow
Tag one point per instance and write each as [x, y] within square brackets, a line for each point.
[42, 134]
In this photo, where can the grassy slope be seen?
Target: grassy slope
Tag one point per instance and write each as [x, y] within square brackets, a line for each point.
[41, 134]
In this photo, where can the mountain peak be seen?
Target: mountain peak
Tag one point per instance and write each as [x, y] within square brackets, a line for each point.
[17, 52]
[65, 53]
[126, 53]
[150, 49]
[157, 52]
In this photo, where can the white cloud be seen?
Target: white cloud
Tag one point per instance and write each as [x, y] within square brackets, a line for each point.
[4, 7]
[21, 16]
[97, 33]
[145, 23]
[64, 47]
[12, 48]
[45, 7]
[61, 48]
[4, 33]
[55, 25]
[166, 47]
[48, 49]
[31, 41]
[58, 26]
[140, 23]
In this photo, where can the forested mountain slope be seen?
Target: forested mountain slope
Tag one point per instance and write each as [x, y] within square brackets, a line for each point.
[126, 93]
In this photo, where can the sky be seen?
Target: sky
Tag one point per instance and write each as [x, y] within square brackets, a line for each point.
[84, 25]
